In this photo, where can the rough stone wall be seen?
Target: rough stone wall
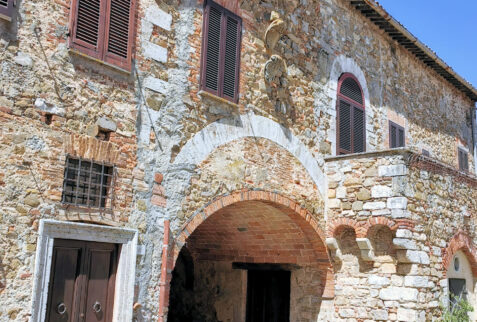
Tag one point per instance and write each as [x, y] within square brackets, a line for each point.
[418, 206]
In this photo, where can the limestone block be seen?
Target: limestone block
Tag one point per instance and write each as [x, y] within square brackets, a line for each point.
[404, 243]
[106, 123]
[393, 293]
[392, 170]
[413, 256]
[332, 243]
[363, 194]
[366, 248]
[417, 281]
[400, 213]
[397, 203]
[155, 52]
[381, 192]
[357, 205]
[380, 315]
[374, 205]
[403, 233]
[341, 192]
[49, 108]
[378, 280]
[159, 18]
[155, 84]
[23, 59]
[347, 313]
[334, 203]
[407, 314]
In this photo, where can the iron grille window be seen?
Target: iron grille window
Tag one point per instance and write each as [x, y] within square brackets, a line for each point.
[396, 135]
[88, 184]
[351, 123]
[104, 29]
[463, 157]
[222, 33]
[6, 9]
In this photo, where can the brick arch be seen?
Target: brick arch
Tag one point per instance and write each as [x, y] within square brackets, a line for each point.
[378, 221]
[460, 242]
[337, 225]
[299, 215]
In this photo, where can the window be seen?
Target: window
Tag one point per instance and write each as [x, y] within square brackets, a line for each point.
[88, 184]
[6, 9]
[463, 160]
[104, 29]
[222, 33]
[396, 135]
[350, 117]
[457, 290]
[426, 153]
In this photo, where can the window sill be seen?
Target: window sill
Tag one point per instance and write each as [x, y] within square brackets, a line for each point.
[99, 61]
[6, 18]
[219, 99]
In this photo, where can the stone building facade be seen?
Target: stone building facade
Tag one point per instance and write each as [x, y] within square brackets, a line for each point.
[199, 200]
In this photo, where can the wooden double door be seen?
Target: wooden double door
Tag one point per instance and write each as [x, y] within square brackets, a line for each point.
[82, 281]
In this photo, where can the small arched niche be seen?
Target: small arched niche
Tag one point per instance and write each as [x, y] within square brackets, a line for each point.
[381, 238]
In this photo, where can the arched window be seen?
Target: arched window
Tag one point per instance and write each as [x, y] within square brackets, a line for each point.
[351, 135]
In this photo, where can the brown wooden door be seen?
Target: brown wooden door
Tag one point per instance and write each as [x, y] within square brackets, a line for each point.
[268, 296]
[82, 281]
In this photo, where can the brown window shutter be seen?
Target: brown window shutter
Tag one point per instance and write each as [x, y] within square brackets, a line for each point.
[88, 21]
[359, 135]
[401, 137]
[119, 37]
[344, 129]
[232, 58]
[463, 158]
[6, 9]
[222, 33]
[396, 135]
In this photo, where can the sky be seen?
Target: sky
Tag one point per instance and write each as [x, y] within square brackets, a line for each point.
[448, 27]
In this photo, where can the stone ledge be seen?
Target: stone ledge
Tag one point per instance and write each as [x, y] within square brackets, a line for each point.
[99, 61]
[397, 151]
[217, 98]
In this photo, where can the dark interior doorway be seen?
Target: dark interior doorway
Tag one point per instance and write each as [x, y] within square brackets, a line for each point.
[268, 296]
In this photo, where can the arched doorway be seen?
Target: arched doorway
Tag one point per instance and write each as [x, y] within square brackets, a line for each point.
[255, 256]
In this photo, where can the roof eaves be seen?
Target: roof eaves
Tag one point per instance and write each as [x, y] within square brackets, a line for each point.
[378, 15]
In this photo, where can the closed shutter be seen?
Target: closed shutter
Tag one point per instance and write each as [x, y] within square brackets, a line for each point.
[463, 158]
[6, 9]
[396, 135]
[119, 35]
[344, 121]
[232, 56]
[358, 130]
[88, 27]
[221, 52]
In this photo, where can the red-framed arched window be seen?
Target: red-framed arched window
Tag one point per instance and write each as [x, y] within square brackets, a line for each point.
[350, 116]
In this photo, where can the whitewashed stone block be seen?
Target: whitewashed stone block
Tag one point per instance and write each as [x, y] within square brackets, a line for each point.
[334, 203]
[400, 213]
[341, 192]
[398, 294]
[380, 315]
[381, 192]
[397, 203]
[155, 84]
[404, 243]
[416, 281]
[155, 52]
[407, 315]
[374, 205]
[403, 233]
[158, 17]
[378, 280]
[392, 170]
[413, 256]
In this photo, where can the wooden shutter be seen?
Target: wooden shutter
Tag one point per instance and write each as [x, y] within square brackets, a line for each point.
[221, 52]
[359, 135]
[396, 135]
[344, 128]
[88, 21]
[463, 158]
[6, 9]
[120, 33]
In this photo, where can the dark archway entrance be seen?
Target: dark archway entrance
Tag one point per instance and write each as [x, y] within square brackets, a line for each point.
[226, 253]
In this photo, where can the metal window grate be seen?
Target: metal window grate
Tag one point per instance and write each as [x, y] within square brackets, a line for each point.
[88, 184]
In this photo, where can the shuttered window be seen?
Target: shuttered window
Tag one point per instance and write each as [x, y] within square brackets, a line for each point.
[6, 9]
[396, 135]
[222, 33]
[351, 118]
[463, 157]
[104, 29]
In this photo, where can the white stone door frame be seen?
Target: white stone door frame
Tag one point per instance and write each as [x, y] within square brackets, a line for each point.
[125, 276]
